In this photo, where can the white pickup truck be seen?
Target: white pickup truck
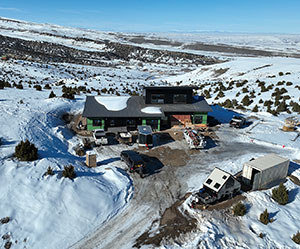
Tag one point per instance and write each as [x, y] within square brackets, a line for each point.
[100, 137]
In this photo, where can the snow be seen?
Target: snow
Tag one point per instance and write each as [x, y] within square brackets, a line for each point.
[51, 211]
[152, 110]
[113, 103]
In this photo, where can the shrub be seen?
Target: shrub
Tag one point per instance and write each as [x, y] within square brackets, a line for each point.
[289, 83]
[228, 103]
[255, 108]
[246, 100]
[47, 86]
[5, 220]
[68, 95]
[296, 238]
[261, 235]
[7, 244]
[49, 172]
[239, 209]
[38, 87]
[264, 217]
[52, 95]
[26, 151]
[280, 194]
[19, 86]
[220, 94]
[280, 73]
[69, 172]
[260, 101]
[281, 107]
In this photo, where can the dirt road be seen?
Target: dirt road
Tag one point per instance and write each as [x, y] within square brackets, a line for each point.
[155, 193]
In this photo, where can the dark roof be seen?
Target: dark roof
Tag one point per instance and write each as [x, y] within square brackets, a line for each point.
[145, 129]
[169, 87]
[92, 108]
[199, 105]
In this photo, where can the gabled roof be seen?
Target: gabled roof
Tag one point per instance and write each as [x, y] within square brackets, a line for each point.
[217, 179]
[135, 104]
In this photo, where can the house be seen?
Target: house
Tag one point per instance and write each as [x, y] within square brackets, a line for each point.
[159, 107]
[218, 185]
[264, 171]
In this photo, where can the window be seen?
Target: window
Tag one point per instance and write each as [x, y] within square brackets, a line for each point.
[224, 177]
[179, 98]
[198, 119]
[230, 183]
[97, 122]
[112, 122]
[217, 185]
[157, 98]
[209, 181]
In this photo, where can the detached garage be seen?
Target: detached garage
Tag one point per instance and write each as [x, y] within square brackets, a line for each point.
[263, 171]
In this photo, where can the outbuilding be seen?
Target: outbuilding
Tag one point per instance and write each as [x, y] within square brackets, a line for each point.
[145, 137]
[264, 171]
[218, 185]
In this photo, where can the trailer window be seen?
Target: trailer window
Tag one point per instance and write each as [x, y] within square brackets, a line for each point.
[217, 185]
[209, 181]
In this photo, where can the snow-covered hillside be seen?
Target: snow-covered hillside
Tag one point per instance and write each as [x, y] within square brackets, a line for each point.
[51, 211]
[258, 78]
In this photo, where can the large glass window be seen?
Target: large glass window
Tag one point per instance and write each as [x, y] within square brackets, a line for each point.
[198, 119]
[157, 98]
[179, 99]
[97, 122]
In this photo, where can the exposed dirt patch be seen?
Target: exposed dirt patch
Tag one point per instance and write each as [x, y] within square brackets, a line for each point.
[172, 224]
[170, 157]
[220, 71]
[221, 205]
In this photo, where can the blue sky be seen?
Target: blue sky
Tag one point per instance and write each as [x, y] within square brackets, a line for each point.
[254, 16]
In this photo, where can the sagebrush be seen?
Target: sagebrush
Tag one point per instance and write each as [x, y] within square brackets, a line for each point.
[26, 151]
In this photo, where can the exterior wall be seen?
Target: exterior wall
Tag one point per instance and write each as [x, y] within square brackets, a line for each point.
[275, 173]
[229, 191]
[144, 122]
[169, 94]
[90, 127]
[180, 119]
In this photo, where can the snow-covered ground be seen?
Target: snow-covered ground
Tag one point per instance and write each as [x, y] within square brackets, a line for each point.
[51, 211]
[57, 212]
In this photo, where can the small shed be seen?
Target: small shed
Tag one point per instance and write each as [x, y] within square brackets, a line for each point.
[264, 171]
[91, 159]
[145, 136]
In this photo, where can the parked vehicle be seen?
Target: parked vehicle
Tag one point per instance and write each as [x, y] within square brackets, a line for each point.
[194, 140]
[125, 138]
[237, 122]
[134, 162]
[145, 136]
[100, 137]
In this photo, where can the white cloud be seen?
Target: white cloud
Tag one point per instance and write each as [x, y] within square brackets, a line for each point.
[10, 9]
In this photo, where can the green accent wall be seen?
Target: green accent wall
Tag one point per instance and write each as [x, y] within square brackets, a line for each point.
[89, 124]
[204, 117]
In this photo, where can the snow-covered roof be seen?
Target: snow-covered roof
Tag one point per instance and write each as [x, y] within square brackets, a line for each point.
[145, 129]
[267, 161]
[152, 109]
[113, 103]
[216, 179]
